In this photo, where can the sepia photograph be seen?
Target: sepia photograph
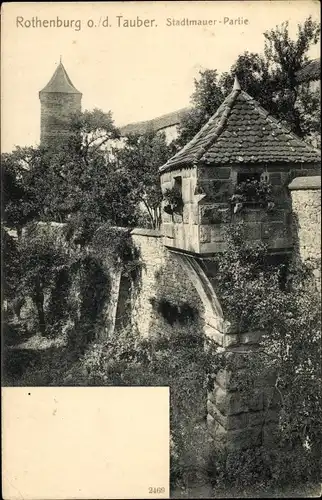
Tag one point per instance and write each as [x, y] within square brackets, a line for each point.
[161, 228]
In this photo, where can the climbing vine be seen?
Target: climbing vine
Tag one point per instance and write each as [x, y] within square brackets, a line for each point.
[68, 278]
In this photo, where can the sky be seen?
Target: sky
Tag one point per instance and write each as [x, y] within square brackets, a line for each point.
[136, 72]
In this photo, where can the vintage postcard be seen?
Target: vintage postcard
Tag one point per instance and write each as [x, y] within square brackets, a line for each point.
[161, 236]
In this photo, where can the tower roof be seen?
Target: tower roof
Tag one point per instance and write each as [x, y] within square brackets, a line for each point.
[60, 82]
[241, 131]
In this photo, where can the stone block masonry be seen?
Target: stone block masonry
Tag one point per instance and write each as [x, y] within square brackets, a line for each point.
[239, 406]
[152, 254]
[236, 419]
[56, 109]
[306, 208]
[162, 278]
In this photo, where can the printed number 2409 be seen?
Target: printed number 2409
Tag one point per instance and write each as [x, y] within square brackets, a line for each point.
[156, 490]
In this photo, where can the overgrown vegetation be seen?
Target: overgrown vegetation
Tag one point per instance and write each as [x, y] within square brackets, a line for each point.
[61, 287]
[173, 200]
[139, 160]
[258, 294]
[270, 78]
[252, 193]
[177, 354]
[91, 190]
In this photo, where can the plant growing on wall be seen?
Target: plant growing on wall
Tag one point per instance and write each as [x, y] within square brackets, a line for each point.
[252, 192]
[258, 294]
[173, 200]
[43, 258]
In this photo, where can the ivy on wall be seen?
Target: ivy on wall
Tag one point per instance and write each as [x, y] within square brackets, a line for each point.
[69, 282]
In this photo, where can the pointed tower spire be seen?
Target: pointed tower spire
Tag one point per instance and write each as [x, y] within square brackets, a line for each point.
[236, 84]
[60, 82]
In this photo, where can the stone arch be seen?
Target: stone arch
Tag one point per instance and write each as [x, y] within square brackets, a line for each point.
[215, 323]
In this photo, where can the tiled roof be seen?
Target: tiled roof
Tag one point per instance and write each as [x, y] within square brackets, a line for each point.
[60, 82]
[156, 124]
[241, 131]
[311, 71]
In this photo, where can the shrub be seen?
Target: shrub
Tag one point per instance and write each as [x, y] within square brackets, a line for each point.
[289, 319]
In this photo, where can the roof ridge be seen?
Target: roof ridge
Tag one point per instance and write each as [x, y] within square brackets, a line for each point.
[197, 136]
[174, 116]
[229, 102]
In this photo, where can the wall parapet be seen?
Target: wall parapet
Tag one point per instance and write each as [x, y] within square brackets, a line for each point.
[306, 183]
[306, 206]
[142, 231]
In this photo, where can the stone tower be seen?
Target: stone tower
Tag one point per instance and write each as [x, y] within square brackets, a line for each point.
[59, 100]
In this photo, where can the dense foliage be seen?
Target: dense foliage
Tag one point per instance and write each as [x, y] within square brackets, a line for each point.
[270, 78]
[92, 188]
[139, 160]
[78, 180]
[280, 300]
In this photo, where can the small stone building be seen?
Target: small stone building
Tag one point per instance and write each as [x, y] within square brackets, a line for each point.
[237, 167]
[59, 100]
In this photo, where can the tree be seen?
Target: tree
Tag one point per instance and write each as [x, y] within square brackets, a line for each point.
[21, 197]
[76, 179]
[11, 269]
[286, 57]
[43, 256]
[139, 162]
[269, 78]
[207, 97]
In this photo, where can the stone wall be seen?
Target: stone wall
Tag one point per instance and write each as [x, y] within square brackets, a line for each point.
[172, 280]
[207, 209]
[242, 410]
[152, 255]
[163, 279]
[182, 230]
[273, 226]
[306, 206]
[178, 279]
